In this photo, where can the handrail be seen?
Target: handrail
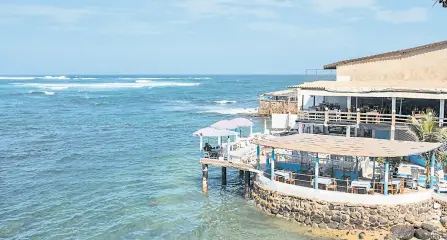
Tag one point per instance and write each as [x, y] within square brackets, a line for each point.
[356, 117]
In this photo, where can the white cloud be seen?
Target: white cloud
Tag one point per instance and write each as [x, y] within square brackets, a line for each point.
[410, 15]
[57, 14]
[327, 6]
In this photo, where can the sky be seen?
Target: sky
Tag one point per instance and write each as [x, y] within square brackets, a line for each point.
[206, 36]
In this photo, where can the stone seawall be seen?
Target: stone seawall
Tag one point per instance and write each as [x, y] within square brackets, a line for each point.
[416, 219]
[280, 107]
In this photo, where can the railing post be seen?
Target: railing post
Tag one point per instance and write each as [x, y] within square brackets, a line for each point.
[326, 116]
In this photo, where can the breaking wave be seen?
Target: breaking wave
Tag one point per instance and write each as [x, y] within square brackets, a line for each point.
[39, 92]
[34, 77]
[232, 111]
[139, 84]
[225, 102]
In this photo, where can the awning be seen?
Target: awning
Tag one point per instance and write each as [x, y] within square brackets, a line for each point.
[348, 146]
[434, 86]
[212, 132]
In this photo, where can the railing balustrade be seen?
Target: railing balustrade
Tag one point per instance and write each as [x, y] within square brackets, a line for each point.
[355, 117]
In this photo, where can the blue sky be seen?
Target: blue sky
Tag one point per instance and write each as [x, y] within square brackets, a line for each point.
[206, 36]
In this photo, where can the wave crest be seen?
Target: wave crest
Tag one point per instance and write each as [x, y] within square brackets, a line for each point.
[224, 101]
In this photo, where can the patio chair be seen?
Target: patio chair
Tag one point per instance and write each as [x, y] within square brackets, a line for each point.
[291, 179]
[349, 187]
[333, 186]
[402, 185]
[392, 188]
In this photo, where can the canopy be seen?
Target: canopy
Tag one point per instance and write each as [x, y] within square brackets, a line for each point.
[212, 132]
[242, 122]
[348, 146]
[224, 124]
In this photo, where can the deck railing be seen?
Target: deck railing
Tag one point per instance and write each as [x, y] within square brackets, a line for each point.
[354, 118]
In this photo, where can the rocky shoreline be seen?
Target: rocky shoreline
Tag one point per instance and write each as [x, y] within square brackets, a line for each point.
[422, 220]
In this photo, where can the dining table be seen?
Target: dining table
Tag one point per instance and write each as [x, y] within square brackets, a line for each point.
[283, 173]
[361, 184]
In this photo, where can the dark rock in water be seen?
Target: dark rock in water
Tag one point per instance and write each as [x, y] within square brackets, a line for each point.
[362, 235]
[422, 234]
[404, 232]
[429, 227]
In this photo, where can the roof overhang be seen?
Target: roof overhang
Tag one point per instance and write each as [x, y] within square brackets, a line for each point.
[348, 146]
[404, 53]
[404, 89]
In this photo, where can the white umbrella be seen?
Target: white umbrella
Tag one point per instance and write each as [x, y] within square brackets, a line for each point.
[243, 122]
[213, 132]
[224, 124]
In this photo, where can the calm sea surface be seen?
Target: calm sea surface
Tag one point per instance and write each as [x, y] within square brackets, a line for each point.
[113, 157]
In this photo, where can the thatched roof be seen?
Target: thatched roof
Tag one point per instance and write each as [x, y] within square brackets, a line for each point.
[392, 55]
[362, 147]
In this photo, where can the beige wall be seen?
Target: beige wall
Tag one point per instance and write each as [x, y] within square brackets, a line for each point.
[427, 66]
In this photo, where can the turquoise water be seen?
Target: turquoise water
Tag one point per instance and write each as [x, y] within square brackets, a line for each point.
[112, 157]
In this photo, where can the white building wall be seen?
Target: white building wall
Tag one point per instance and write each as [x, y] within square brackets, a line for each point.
[282, 121]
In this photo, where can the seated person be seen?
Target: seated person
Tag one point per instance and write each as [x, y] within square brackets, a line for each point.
[207, 147]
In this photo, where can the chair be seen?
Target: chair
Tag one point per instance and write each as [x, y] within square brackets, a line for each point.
[402, 185]
[333, 186]
[392, 188]
[349, 187]
[291, 179]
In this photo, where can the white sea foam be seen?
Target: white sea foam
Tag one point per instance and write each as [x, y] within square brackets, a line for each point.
[40, 92]
[58, 88]
[85, 78]
[55, 77]
[224, 102]
[148, 84]
[17, 78]
[232, 111]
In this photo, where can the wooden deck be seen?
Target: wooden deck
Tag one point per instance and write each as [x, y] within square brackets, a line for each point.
[229, 164]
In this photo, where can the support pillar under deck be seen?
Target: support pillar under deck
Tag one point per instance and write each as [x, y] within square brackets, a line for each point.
[224, 175]
[205, 178]
[247, 185]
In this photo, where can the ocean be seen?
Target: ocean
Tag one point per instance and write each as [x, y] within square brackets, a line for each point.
[113, 157]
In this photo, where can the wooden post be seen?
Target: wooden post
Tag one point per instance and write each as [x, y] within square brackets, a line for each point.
[258, 157]
[348, 131]
[224, 175]
[205, 178]
[241, 173]
[247, 184]
[358, 118]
